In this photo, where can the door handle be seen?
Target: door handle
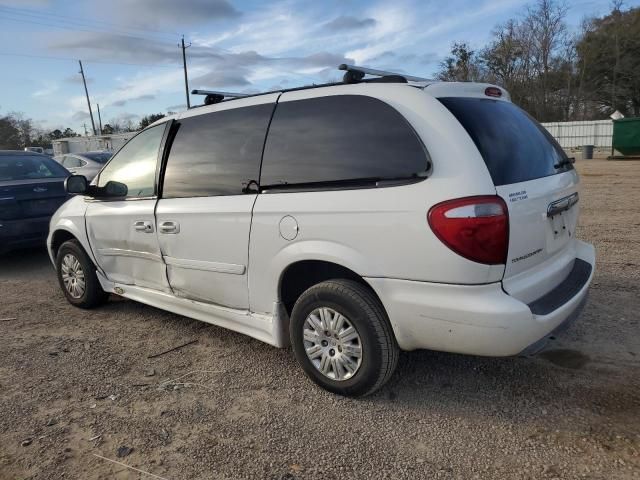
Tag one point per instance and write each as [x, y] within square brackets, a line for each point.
[143, 226]
[169, 227]
[561, 205]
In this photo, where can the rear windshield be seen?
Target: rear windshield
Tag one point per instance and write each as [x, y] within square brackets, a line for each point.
[515, 147]
[100, 157]
[25, 167]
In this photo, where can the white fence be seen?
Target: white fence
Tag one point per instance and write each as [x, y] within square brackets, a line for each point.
[576, 134]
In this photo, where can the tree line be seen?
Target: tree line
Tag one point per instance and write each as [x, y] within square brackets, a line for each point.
[18, 132]
[554, 74]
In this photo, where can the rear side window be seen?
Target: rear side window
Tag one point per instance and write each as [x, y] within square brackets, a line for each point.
[514, 146]
[98, 156]
[25, 167]
[71, 162]
[217, 153]
[340, 138]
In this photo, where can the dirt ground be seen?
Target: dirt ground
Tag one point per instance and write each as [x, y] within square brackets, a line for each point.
[75, 384]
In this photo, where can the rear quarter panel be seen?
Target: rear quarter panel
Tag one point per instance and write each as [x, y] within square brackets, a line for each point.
[376, 232]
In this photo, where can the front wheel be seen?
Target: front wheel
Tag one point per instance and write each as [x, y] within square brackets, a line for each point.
[342, 338]
[77, 276]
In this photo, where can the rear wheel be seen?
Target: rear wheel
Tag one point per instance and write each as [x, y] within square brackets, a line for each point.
[77, 276]
[342, 338]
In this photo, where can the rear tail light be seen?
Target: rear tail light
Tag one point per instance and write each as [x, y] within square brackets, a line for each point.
[475, 227]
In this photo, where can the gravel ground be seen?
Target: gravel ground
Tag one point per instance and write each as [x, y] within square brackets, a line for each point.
[75, 384]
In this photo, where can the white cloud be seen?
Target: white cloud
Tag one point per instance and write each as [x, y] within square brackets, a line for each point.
[80, 116]
[48, 89]
[163, 13]
[426, 29]
[144, 85]
[26, 3]
[347, 23]
[395, 27]
[275, 43]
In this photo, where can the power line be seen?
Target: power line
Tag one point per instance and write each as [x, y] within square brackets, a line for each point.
[78, 19]
[81, 21]
[52, 57]
[78, 29]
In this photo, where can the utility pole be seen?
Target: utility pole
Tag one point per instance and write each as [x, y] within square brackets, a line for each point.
[85, 129]
[93, 125]
[184, 64]
[99, 119]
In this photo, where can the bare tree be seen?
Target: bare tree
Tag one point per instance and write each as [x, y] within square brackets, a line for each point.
[555, 75]
[463, 65]
[507, 59]
[545, 23]
[609, 58]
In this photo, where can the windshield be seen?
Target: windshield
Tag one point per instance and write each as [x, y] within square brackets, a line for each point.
[25, 167]
[514, 146]
[100, 157]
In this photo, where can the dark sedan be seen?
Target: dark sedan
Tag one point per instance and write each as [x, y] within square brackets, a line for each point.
[31, 190]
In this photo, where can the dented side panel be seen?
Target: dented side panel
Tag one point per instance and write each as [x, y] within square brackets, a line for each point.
[126, 253]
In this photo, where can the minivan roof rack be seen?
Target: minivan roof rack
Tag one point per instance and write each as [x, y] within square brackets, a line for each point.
[354, 74]
[216, 96]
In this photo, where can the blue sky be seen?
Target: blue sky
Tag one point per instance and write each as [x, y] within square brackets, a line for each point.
[131, 58]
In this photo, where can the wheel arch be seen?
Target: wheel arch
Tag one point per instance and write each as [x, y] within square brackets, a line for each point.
[68, 230]
[300, 275]
[58, 237]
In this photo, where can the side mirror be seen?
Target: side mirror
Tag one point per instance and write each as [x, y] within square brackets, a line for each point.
[115, 189]
[76, 184]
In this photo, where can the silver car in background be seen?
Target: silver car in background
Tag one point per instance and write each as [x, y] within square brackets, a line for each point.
[87, 164]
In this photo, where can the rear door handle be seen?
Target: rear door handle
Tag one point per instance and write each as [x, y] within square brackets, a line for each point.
[169, 227]
[143, 226]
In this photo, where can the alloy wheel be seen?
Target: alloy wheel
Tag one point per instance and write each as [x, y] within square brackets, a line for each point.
[332, 344]
[73, 276]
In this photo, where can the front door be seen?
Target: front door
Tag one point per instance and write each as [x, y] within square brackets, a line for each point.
[122, 231]
[208, 192]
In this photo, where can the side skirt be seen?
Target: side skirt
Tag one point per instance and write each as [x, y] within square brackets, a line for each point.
[266, 328]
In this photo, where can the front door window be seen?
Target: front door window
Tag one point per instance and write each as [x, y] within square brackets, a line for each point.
[135, 164]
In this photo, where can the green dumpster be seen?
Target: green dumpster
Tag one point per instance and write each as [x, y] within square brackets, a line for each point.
[626, 136]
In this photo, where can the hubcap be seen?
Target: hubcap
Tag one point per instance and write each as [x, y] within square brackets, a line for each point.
[332, 344]
[73, 276]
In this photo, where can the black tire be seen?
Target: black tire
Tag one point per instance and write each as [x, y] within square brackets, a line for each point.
[366, 314]
[93, 294]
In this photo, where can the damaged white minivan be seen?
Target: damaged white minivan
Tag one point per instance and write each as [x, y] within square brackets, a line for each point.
[348, 220]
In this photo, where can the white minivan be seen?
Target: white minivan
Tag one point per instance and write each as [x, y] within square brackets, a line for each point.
[348, 220]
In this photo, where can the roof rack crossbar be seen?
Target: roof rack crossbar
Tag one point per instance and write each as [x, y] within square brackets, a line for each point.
[217, 92]
[362, 71]
[216, 96]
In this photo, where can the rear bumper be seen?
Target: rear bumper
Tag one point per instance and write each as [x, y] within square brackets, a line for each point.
[539, 345]
[478, 319]
[25, 232]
